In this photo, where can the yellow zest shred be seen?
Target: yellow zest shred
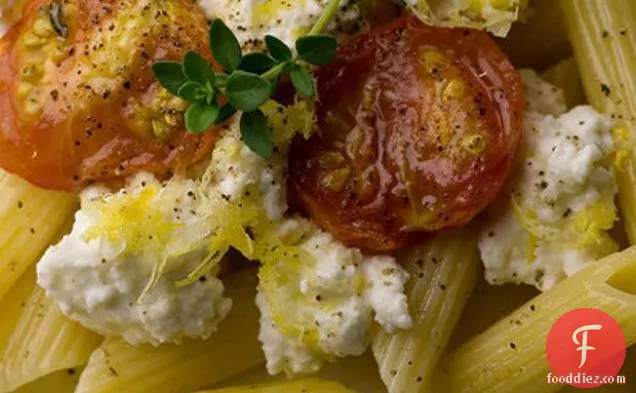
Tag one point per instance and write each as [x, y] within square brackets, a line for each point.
[623, 142]
[584, 229]
[531, 251]
[133, 220]
[592, 223]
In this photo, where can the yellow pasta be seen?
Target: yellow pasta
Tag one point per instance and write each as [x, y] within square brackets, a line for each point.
[359, 373]
[565, 74]
[117, 367]
[500, 348]
[312, 385]
[443, 273]
[356, 372]
[541, 41]
[490, 303]
[603, 34]
[35, 338]
[510, 356]
[30, 218]
[63, 381]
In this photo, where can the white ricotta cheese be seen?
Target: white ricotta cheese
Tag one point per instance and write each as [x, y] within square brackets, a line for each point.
[542, 97]
[283, 352]
[325, 308]
[237, 169]
[97, 273]
[562, 201]
[251, 20]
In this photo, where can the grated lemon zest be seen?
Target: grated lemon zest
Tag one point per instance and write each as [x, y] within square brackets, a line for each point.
[584, 229]
[531, 251]
[590, 224]
[530, 222]
[624, 143]
[133, 220]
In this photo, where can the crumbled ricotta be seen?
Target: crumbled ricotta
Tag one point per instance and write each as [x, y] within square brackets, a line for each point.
[562, 201]
[251, 20]
[237, 169]
[160, 233]
[541, 96]
[325, 308]
[283, 352]
[98, 272]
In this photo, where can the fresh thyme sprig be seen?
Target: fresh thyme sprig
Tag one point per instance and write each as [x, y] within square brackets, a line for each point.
[248, 80]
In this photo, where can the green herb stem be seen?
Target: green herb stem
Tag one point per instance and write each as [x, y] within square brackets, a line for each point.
[274, 72]
[318, 28]
[325, 18]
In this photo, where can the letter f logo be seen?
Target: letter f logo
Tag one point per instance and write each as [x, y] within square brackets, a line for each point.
[583, 344]
[570, 341]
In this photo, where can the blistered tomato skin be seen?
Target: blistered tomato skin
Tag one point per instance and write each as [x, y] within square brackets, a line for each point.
[418, 129]
[78, 99]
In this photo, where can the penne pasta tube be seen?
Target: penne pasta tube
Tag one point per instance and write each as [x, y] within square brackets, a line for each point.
[603, 35]
[565, 74]
[510, 356]
[63, 381]
[30, 218]
[541, 40]
[356, 372]
[312, 385]
[35, 338]
[117, 367]
[443, 273]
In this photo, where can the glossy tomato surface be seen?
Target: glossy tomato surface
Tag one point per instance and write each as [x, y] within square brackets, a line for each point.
[418, 129]
[78, 99]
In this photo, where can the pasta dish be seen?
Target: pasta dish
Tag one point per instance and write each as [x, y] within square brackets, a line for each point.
[316, 195]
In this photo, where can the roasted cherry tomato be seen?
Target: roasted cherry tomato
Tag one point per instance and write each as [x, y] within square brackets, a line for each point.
[78, 99]
[418, 129]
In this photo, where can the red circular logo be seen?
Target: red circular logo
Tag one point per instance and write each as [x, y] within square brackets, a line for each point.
[585, 348]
